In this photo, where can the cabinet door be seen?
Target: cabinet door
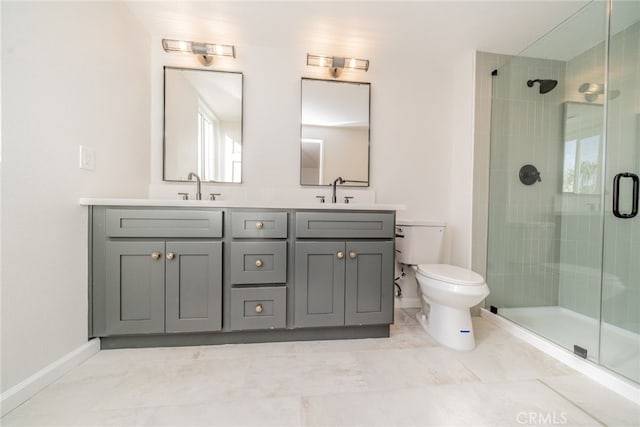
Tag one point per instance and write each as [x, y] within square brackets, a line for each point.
[369, 283]
[135, 287]
[193, 286]
[319, 284]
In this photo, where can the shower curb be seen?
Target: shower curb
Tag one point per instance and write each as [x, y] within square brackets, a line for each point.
[614, 382]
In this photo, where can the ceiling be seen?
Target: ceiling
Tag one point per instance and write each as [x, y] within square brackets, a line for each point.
[222, 92]
[441, 29]
[584, 30]
[334, 103]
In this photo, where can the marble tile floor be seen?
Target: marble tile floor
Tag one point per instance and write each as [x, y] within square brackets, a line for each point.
[405, 380]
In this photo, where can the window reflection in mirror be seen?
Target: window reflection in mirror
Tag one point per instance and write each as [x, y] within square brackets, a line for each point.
[582, 163]
[334, 132]
[202, 125]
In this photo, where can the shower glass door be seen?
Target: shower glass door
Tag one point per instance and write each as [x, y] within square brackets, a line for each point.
[546, 198]
[620, 345]
[563, 256]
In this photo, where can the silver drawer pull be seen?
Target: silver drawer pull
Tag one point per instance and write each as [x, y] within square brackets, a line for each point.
[171, 256]
[353, 255]
[259, 263]
[259, 308]
[340, 254]
[155, 255]
[259, 225]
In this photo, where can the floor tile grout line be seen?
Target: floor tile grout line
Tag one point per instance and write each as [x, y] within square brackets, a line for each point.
[541, 381]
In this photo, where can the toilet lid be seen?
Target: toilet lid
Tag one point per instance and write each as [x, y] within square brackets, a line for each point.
[450, 274]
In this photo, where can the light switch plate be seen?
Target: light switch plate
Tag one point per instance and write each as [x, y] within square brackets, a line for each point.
[87, 158]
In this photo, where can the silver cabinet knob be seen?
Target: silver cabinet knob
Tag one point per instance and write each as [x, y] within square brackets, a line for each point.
[171, 256]
[259, 225]
[340, 255]
[353, 255]
[259, 263]
[155, 255]
[259, 308]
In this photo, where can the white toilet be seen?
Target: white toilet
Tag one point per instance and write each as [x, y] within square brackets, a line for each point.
[447, 292]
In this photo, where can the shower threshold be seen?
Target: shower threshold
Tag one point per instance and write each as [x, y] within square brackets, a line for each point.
[555, 330]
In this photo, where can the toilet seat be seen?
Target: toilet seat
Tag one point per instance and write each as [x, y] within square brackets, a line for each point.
[450, 274]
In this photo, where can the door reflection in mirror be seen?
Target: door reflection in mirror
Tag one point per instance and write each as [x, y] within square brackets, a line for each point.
[334, 132]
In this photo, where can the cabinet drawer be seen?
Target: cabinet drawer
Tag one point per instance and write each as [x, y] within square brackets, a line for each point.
[259, 225]
[258, 308]
[344, 225]
[163, 223]
[258, 262]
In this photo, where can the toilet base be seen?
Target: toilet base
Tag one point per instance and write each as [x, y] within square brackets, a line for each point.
[451, 327]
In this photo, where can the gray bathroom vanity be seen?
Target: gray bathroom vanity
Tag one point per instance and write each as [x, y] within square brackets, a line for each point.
[210, 272]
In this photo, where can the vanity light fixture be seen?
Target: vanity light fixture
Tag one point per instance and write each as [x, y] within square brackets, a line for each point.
[337, 63]
[204, 51]
[593, 90]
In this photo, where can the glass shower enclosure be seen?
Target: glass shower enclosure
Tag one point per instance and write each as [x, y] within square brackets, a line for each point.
[563, 255]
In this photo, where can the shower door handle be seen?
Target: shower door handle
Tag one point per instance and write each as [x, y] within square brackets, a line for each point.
[616, 195]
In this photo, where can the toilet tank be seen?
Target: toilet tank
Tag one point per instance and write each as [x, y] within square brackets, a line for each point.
[419, 242]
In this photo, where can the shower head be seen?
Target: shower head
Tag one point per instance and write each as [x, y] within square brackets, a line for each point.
[545, 85]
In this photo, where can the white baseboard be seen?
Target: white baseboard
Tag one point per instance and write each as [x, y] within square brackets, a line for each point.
[407, 302]
[598, 373]
[23, 391]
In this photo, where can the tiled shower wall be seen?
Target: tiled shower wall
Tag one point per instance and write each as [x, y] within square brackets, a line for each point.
[485, 64]
[523, 224]
[580, 253]
[545, 246]
[581, 237]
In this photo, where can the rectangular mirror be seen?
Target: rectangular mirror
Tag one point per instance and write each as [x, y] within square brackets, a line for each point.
[334, 132]
[202, 125]
[582, 157]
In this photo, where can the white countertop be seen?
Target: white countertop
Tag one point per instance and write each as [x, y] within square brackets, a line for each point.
[420, 222]
[87, 201]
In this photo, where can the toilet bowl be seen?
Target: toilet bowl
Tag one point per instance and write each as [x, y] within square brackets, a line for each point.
[448, 292]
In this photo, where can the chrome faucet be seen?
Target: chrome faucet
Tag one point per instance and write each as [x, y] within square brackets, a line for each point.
[198, 192]
[338, 180]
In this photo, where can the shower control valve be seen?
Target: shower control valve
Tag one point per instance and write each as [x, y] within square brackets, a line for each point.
[529, 175]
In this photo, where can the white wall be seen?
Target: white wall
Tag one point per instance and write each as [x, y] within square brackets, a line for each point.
[72, 73]
[461, 173]
[411, 127]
